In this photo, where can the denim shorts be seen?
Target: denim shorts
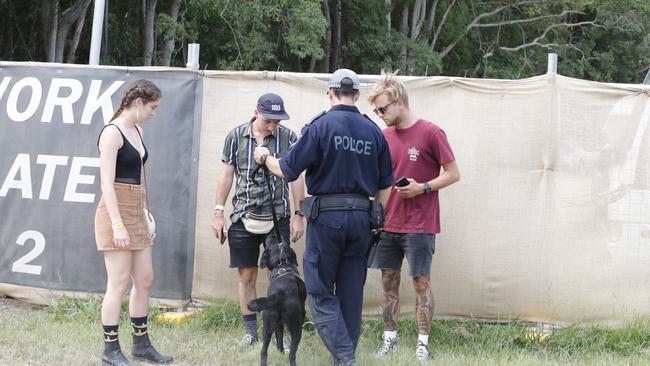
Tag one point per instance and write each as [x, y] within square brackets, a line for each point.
[245, 246]
[417, 247]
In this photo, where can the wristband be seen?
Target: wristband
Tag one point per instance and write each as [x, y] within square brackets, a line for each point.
[218, 207]
[119, 225]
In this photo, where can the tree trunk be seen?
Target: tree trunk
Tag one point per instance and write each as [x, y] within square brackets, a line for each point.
[170, 43]
[442, 22]
[327, 42]
[7, 34]
[388, 4]
[74, 42]
[323, 64]
[419, 14]
[336, 55]
[149, 16]
[50, 20]
[67, 19]
[104, 43]
[403, 28]
[432, 16]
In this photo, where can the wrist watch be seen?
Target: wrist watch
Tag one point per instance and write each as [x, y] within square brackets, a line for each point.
[299, 213]
[427, 187]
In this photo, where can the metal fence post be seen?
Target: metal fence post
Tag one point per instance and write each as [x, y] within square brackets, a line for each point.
[193, 56]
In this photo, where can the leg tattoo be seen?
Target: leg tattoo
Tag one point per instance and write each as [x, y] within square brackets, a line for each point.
[423, 303]
[390, 281]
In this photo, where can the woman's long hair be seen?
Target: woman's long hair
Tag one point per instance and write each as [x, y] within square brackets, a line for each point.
[142, 88]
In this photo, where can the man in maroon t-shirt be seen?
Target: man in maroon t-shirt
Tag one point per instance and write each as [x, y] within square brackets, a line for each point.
[418, 149]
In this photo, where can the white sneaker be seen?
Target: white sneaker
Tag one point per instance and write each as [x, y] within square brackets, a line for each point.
[248, 340]
[390, 345]
[422, 351]
[285, 343]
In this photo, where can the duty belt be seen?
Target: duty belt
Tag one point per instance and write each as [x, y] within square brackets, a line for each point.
[332, 202]
[311, 206]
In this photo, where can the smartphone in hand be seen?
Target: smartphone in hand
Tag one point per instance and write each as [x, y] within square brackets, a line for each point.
[402, 182]
[222, 237]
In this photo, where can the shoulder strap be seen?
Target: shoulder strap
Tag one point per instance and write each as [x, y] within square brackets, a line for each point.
[306, 126]
[144, 172]
[321, 114]
[368, 118]
[102, 131]
[139, 135]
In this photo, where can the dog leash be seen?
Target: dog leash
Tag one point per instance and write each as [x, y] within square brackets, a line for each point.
[276, 227]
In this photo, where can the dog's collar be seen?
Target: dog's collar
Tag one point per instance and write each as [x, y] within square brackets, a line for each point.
[283, 271]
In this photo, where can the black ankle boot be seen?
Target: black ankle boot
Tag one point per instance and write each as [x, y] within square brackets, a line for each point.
[143, 350]
[113, 355]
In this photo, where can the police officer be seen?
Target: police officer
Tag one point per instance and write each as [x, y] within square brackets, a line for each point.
[347, 160]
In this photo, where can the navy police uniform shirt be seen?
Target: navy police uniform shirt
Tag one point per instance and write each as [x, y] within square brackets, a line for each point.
[343, 151]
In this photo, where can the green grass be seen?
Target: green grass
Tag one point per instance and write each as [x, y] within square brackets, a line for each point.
[69, 333]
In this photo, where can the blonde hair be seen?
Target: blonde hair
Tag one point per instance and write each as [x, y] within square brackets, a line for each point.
[391, 86]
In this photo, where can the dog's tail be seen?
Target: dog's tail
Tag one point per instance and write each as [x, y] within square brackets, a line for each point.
[262, 303]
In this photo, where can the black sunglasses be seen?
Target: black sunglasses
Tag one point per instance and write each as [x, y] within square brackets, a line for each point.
[382, 110]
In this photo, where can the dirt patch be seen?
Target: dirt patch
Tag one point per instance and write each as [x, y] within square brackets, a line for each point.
[8, 305]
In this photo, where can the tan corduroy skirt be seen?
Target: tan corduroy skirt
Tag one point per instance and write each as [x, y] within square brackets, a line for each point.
[131, 202]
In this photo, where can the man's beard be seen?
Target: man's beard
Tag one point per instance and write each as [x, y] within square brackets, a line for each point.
[393, 122]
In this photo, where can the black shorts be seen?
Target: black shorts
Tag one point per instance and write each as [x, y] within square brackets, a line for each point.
[245, 246]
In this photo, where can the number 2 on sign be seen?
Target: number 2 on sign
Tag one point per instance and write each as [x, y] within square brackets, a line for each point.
[22, 264]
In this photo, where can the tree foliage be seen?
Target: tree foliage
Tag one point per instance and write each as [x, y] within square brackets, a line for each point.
[279, 34]
[604, 40]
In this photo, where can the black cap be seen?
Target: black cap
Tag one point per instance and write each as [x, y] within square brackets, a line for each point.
[271, 106]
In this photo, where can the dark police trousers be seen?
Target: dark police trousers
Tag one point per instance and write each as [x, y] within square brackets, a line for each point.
[334, 265]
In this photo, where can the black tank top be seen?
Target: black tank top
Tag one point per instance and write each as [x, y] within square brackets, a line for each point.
[128, 168]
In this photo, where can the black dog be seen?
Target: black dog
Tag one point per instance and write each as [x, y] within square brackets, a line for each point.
[284, 304]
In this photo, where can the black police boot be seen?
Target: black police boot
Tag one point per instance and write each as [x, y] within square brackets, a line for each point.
[143, 350]
[113, 355]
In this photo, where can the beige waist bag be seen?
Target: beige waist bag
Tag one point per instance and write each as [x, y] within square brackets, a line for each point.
[257, 224]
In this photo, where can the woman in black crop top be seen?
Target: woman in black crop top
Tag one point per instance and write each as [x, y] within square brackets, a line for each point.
[121, 231]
